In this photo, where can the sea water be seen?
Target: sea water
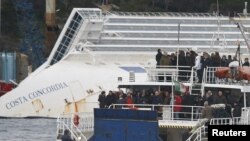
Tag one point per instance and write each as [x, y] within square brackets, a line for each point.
[27, 129]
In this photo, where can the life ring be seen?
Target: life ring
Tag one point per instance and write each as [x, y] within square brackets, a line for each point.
[76, 120]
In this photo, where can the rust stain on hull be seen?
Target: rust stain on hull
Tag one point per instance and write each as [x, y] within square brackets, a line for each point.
[38, 105]
[73, 107]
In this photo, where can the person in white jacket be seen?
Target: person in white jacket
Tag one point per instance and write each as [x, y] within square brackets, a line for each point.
[198, 67]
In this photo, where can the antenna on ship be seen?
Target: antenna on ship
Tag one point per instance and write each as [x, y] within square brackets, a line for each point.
[243, 29]
[218, 36]
[218, 21]
[218, 10]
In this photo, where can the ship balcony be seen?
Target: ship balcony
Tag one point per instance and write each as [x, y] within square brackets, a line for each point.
[187, 74]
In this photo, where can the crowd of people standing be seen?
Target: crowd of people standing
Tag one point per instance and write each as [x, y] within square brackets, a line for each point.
[165, 98]
[191, 59]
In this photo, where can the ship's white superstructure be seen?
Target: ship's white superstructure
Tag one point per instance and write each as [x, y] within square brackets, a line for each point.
[95, 50]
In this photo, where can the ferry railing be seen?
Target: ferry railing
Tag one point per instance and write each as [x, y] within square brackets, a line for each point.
[86, 121]
[166, 112]
[193, 80]
[167, 73]
[210, 75]
[162, 74]
[76, 133]
[199, 134]
[61, 121]
[64, 127]
[170, 14]
[85, 124]
[228, 121]
[242, 120]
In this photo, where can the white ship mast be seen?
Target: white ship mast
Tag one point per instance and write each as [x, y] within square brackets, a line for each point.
[218, 38]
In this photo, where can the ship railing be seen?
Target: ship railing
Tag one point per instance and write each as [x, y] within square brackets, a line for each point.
[242, 120]
[210, 75]
[210, 78]
[84, 124]
[169, 14]
[75, 134]
[61, 122]
[85, 121]
[228, 121]
[166, 112]
[199, 134]
[170, 73]
[91, 13]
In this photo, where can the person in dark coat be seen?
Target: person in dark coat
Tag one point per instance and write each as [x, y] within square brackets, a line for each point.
[157, 100]
[121, 100]
[228, 109]
[187, 100]
[229, 59]
[109, 99]
[102, 99]
[237, 110]
[208, 97]
[165, 60]
[206, 62]
[246, 63]
[173, 59]
[66, 136]
[167, 98]
[189, 63]
[217, 59]
[158, 57]
[223, 61]
[193, 55]
[182, 62]
[220, 98]
[143, 99]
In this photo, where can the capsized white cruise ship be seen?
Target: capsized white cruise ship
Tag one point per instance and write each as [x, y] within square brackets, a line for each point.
[95, 50]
